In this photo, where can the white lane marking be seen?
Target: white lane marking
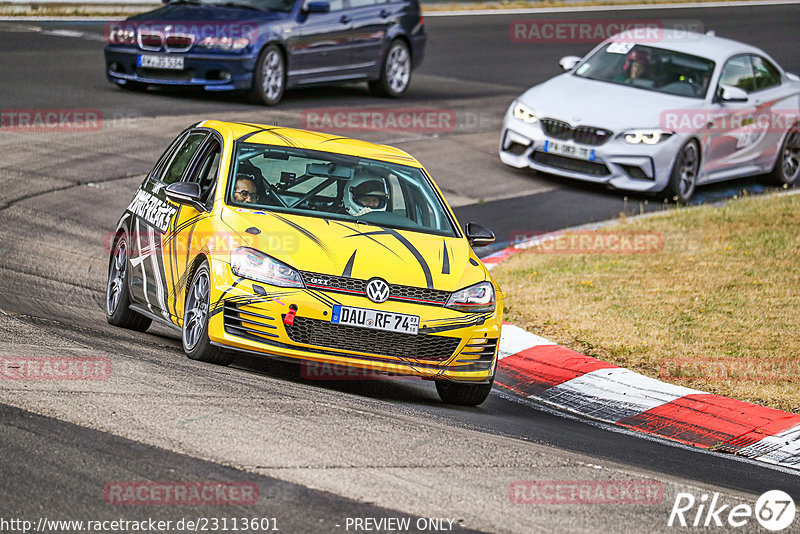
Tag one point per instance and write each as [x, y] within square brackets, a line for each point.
[780, 449]
[86, 2]
[64, 33]
[58, 32]
[610, 7]
[514, 339]
[613, 394]
[74, 34]
[39, 18]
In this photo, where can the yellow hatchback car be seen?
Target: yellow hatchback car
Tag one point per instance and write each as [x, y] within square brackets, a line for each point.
[308, 247]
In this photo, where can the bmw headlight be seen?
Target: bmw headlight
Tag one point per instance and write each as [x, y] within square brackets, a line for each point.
[122, 35]
[648, 137]
[524, 113]
[225, 44]
[475, 299]
[252, 264]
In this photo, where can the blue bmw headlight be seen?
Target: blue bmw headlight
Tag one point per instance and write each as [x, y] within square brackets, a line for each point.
[224, 44]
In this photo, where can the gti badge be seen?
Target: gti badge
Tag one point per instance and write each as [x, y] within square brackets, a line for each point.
[377, 290]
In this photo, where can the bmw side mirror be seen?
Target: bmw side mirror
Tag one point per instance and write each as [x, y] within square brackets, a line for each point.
[186, 193]
[479, 236]
[568, 62]
[729, 93]
[317, 6]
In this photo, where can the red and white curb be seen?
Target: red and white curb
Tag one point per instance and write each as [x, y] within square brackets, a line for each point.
[538, 369]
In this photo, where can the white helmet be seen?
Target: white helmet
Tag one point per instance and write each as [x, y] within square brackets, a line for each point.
[363, 195]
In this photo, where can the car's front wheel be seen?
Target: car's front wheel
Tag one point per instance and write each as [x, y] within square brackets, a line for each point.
[683, 178]
[787, 165]
[118, 312]
[395, 71]
[463, 394]
[269, 78]
[196, 343]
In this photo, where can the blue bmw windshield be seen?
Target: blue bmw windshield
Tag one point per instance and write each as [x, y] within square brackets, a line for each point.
[335, 186]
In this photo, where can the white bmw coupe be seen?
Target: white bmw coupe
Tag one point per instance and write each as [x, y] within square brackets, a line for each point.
[660, 117]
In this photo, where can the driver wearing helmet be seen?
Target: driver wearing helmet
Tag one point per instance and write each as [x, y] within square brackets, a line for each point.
[636, 64]
[364, 195]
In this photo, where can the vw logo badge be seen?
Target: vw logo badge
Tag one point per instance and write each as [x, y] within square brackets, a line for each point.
[377, 290]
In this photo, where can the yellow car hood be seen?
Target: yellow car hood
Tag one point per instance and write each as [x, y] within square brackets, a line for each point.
[341, 248]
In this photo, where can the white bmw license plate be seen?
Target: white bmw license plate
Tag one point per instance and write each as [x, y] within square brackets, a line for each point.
[571, 151]
[160, 62]
[377, 320]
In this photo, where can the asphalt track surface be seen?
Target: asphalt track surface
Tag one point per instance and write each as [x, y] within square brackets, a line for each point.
[319, 452]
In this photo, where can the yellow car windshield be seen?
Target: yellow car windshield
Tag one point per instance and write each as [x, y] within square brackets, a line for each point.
[336, 186]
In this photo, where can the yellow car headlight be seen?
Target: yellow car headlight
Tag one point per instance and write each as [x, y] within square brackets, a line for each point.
[479, 298]
[250, 263]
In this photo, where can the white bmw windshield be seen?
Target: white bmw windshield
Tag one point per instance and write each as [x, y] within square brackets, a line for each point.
[649, 68]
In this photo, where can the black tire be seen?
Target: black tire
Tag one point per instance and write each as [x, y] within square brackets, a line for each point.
[683, 177]
[787, 164]
[118, 301]
[395, 71]
[136, 87]
[462, 394]
[194, 334]
[269, 76]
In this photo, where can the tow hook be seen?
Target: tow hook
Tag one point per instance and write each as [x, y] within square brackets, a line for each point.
[288, 319]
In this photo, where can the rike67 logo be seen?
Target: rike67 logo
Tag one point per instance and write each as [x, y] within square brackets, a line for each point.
[774, 511]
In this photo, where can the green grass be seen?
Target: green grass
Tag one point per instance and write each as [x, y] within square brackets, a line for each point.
[723, 295]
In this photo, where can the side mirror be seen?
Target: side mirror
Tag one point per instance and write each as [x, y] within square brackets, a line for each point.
[317, 6]
[478, 236]
[568, 62]
[729, 93]
[186, 193]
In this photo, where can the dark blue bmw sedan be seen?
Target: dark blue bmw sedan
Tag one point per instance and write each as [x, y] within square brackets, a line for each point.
[268, 46]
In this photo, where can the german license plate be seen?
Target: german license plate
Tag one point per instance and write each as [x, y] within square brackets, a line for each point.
[572, 151]
[377, 320]
[160, 62]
